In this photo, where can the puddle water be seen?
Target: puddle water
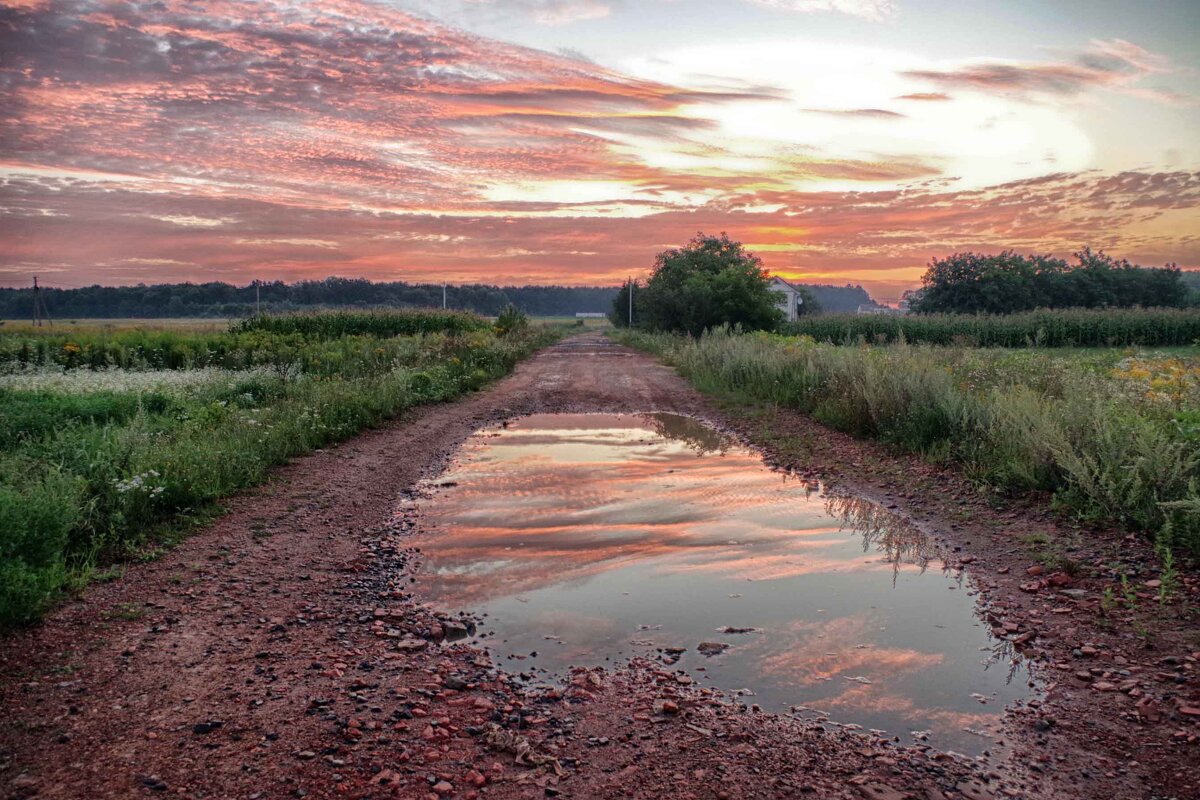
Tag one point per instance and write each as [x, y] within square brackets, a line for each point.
[587, 539]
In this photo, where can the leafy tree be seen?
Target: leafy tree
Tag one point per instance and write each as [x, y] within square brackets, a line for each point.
[1192, 281]
[811, 304]
[971, 283]
[710, 281]
[618, 315]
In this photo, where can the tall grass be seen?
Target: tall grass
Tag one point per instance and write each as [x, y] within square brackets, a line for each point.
[1067, 328]
[1114, 441]
[92, 475]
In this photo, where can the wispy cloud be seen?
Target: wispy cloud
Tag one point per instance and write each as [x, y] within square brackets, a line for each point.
[553, 12]
[1114, 65]
[863, 113]
[868, 9]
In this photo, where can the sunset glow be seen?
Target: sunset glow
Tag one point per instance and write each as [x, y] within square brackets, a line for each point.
[567, 141]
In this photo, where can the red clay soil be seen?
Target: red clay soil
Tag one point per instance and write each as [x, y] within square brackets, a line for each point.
[280, 652]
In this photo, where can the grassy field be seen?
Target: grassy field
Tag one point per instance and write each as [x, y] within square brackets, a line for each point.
[1069, 328]
[112, 439]
[118, 324]
[1113, 434]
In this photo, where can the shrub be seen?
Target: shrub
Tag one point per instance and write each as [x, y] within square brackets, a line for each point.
[511, 320]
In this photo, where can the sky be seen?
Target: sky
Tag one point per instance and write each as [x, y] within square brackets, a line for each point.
[568, 141]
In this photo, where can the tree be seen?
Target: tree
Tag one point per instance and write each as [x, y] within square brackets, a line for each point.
[618, 315]
[810, 305]
[970, 283]
[710, 281]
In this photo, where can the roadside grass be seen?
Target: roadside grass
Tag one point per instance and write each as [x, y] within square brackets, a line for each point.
[106, 464]
[1115, 437]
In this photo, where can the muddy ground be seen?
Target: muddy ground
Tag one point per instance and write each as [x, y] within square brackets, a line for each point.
[280, 651]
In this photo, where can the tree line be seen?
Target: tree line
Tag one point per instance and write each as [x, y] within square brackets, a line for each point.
[228, 301]
[225, 300]
[1008, 282]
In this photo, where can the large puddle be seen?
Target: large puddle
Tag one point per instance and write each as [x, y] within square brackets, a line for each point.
[587, 539]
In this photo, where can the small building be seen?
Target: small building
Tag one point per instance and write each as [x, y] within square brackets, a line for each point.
[875, 308]
[790, 299]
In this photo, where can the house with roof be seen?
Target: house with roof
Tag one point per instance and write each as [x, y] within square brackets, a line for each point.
[790, 298]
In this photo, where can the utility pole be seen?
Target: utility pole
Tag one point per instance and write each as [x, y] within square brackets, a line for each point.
[631, 302]
[257, 298]
[443, 296]
[40, 312]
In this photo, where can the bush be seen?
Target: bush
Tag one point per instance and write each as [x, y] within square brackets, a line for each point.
[511, 320]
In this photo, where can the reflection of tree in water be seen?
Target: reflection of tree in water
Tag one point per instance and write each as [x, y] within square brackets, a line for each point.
[899, 540]
[692, 432]
[1005, 652]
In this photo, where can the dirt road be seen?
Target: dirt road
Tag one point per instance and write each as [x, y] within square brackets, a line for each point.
[279, 653]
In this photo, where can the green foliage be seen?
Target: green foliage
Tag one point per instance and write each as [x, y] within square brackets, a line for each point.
[285, 352]
[511, 320]
[335, 324]
[1065, 328]
[810, 305]
[709, 282]
[1104, 436]
[37, 514]
[94, 463]
[619, 314]
[970, 283]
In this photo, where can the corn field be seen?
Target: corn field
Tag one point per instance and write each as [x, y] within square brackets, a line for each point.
[334, 324]
[1069, 328]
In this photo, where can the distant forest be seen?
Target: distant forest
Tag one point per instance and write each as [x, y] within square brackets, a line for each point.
[225, 300]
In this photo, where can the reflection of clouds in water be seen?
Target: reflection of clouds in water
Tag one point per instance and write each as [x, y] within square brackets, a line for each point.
[806, 652]
[738, 565]
[621, 510]
[540, 521]
[829, 654]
